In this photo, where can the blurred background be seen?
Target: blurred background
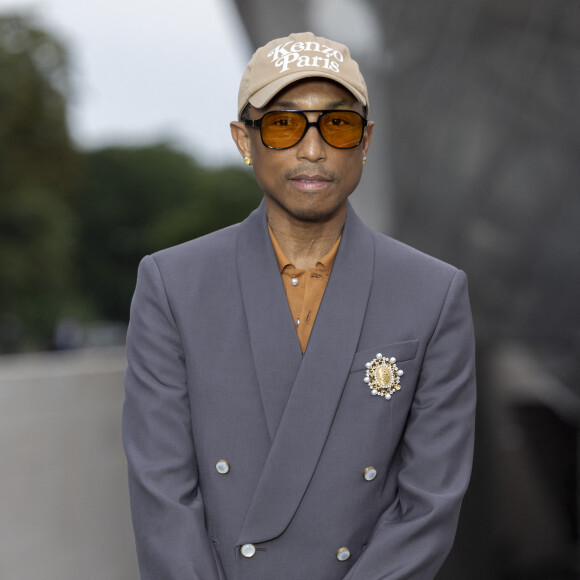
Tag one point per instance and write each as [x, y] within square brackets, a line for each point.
[114, 143]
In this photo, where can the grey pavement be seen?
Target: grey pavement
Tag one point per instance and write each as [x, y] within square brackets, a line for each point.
[64, 512]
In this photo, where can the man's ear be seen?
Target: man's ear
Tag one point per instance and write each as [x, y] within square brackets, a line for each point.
[368, 136]
[241, 137]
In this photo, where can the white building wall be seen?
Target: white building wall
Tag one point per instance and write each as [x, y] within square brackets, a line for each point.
[64, 510]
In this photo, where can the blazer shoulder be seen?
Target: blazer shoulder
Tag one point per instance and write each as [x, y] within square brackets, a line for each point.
[413, 270]
[210, 249]
[392, 250]
[213, 249]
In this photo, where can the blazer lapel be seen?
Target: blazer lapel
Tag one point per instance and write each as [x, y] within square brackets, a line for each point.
[274, 342]
[319, 383]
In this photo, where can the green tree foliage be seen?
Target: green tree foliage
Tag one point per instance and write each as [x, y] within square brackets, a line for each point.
[74, 224]
[134, 201]
[37, 168]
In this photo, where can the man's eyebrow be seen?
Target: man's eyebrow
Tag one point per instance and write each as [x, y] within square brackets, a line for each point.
[290, 105]
[341, 103]
[283, 105]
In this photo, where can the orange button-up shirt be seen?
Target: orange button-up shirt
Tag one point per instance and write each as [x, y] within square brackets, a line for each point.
[304, 288]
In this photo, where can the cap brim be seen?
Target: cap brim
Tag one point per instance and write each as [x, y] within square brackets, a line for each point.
[262, 97]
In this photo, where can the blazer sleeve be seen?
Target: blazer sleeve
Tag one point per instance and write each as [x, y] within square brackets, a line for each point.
[166, 504]
[413, 537]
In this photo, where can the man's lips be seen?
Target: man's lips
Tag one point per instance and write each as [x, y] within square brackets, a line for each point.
[308, 177]
[309, 182]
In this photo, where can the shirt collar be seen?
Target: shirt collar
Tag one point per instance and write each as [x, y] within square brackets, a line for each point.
[326, 262]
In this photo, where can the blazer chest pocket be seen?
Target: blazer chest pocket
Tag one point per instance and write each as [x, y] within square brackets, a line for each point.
[402, 351]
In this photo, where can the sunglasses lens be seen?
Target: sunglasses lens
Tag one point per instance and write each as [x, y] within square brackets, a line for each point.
[282, 129]
[342, 129]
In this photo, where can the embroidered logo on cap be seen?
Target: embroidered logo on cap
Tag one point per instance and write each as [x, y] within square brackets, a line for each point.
[319, 56]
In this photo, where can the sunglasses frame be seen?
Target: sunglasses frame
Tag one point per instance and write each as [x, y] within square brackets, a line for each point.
[258, 124]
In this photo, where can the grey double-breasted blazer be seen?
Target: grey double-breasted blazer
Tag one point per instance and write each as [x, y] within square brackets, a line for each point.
[215, 372]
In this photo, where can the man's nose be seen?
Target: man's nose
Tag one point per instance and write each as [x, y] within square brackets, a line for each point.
[312, 146]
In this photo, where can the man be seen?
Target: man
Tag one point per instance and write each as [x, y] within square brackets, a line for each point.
[300, 390]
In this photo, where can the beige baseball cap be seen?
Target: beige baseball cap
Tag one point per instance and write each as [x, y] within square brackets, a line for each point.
[286, 60]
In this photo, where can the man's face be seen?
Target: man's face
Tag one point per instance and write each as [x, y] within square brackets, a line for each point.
[312, 180]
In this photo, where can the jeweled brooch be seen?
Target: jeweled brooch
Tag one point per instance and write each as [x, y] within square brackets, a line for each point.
[383, 376]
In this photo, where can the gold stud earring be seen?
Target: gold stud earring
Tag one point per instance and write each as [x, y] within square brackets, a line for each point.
[247, 161]
[364, 159]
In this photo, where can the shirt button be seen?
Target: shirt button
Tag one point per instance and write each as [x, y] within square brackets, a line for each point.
[248, 550]
[342, 554]
[222, 467]
[369, 473]
[294, 281]
[297, 322]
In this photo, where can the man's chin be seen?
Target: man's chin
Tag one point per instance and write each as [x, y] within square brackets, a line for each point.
[314, 213]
